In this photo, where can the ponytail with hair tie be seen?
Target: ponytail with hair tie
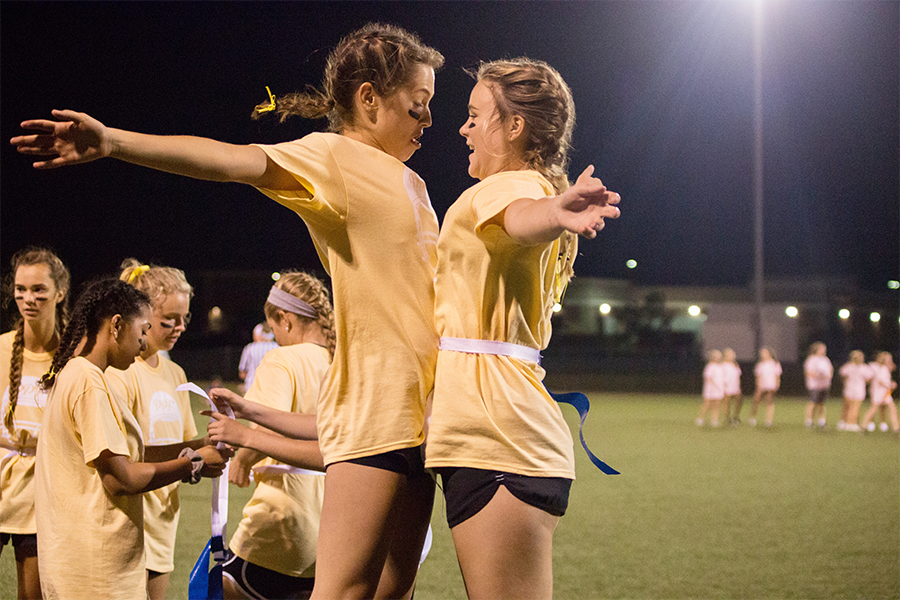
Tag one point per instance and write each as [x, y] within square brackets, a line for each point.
[137, 272]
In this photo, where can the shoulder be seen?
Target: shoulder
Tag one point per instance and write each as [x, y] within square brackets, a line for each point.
[173, 368]
[520, 184]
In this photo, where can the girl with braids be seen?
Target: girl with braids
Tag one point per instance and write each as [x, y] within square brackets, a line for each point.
[496, 437]
[89, 478]
[376, 234]
[274, 546]
[147, 388]
[39, 282]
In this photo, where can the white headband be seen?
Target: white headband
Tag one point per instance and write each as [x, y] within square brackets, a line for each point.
[291, 303]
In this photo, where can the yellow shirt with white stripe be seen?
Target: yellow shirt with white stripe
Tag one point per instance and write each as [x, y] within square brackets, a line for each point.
[165, 418]
[17, 447]
[281, 521]
[90, 543]
[493, 412]
[376, 234]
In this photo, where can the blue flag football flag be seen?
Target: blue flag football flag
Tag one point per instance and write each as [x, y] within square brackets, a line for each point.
[583, 405]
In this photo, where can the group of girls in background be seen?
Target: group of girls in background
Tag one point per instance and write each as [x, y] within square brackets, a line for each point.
[463, 315]
[721, 386]
[76, 469]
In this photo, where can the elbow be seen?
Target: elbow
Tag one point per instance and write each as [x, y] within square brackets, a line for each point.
[116, 488]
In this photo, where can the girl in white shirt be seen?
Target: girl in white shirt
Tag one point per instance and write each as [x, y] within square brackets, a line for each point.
[768, 380]
[855, 374]
[713, 388]
[881, 389]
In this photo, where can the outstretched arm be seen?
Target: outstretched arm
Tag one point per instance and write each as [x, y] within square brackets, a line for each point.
[292, 425]
[122, 477]
[298, 453]
[580, 209]
[75, 138]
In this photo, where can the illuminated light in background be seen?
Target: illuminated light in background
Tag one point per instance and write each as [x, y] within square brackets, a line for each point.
[276, 276]
[557, 307]
[694, 310]
[631, 263]
[605, 308]
[875, 317]
[893, 284]
[791, 311]
[844, 313]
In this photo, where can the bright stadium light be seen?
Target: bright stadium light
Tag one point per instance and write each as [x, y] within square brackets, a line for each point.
[694, 310]
[875, 317]
[605, 308]
[557, 307]
[631, 263]
[844, 313]
[276, 276]
[893, 284]
[791, 311]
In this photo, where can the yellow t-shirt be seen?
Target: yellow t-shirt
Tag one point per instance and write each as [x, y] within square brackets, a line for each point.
[281, 521]
[17, 447]
[165, 418]
[493, 412]
[91, 544]
[376, 233]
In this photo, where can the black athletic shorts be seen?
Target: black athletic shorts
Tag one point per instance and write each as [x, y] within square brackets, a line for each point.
[406, 461]
[24, 544]
[264, 584]
[467, 491]
[818, 396]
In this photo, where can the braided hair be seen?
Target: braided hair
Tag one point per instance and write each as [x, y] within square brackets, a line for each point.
[32, 255]
[101, 300]
[384, 55]
[312, 291]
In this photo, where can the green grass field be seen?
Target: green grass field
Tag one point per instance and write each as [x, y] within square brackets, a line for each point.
[697, 512]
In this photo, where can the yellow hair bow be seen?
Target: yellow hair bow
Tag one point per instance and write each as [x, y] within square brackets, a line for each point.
[138, 271]
[271, 105]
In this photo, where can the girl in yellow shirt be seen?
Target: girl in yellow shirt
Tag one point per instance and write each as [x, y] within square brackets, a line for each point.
[274, 546]
[496, 437]
[147, 388]
[89, 474]
[376, 233]
[40, 285]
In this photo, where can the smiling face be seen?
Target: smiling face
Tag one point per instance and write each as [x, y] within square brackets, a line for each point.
[130, 338]
[394, 130]
[35, 293]
[170, 319]
[487, 136]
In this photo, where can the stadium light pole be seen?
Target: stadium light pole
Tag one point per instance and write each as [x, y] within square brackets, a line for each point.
[758, 272]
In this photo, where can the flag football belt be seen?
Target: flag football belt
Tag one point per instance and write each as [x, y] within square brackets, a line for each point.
[576, 399]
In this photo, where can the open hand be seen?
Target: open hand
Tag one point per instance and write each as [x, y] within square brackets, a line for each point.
[585, 205]
[72, 139]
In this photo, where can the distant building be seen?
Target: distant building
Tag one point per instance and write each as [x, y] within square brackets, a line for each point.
[625, 315]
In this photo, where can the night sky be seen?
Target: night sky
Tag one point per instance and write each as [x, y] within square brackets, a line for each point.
[663, 91]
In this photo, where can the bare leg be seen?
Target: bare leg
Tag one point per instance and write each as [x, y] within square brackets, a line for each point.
[157, 585]
[853, 413]
[892, 411]
[28, 578]
[868, 416]
[505, 551]
[738, 404]
[715, 412]
[361, 514]
[770, 408]
[756, 398]
[703, 408]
